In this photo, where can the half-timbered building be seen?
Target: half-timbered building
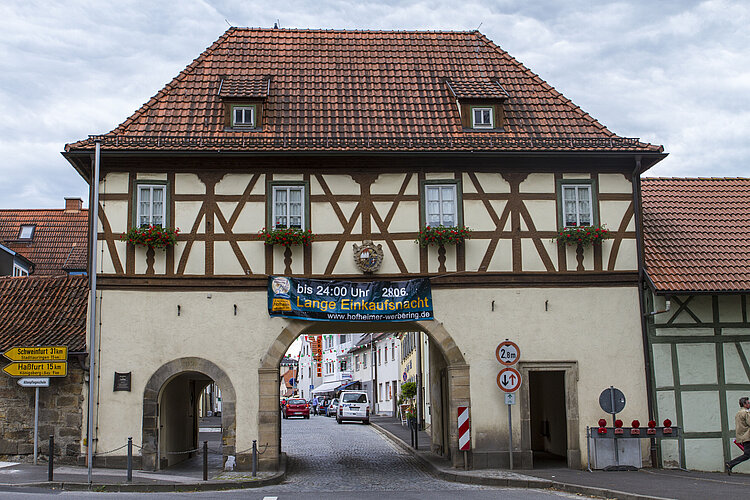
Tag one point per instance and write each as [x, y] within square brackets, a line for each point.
[697, 264]
[365, 136]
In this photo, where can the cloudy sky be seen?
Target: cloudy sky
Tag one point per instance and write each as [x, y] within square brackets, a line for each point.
[671, 72]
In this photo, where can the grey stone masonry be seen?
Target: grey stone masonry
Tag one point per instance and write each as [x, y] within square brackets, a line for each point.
[60, 415]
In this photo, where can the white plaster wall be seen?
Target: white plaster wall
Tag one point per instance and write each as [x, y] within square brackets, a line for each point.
[491, 183]
[117, 215]
[188, 184]
[538, 183]
[614, 183]
[114, 182]
[145, 176]
[141, 332]
[341, 184]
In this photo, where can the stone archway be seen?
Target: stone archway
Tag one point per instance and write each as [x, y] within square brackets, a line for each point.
[269, 427]
[150, 428]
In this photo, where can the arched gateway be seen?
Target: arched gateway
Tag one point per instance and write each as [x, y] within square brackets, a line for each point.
[457, 371]
[153, 392]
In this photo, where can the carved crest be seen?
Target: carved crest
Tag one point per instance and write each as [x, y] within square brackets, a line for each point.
[368, 256]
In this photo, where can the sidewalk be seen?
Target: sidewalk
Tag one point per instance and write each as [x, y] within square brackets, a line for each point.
[641, 485]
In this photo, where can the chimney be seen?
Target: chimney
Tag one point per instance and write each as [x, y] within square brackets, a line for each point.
[73, 204]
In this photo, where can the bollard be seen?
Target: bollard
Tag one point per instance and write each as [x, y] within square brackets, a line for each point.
[416, 435]
[130, 459]
[205, 460]
[50, 466]
[255, 457]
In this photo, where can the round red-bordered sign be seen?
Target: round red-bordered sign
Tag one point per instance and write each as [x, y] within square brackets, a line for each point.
[507, 353]
[509, 380]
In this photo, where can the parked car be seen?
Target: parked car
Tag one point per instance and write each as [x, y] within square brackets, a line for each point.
[332, 408]
[355, 405]
[296, 408]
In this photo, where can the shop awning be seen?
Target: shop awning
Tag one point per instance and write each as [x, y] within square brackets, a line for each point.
[327, 387]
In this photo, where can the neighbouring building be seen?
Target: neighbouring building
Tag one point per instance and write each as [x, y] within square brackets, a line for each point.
[288, 368]
[697, 265]
[44, 242]
[365, 136]
[43, 311]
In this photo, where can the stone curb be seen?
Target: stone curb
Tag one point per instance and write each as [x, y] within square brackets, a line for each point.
[511, 482]
[162, 487]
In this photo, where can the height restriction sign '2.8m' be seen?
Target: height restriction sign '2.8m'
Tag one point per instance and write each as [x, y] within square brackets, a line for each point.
[507, 353]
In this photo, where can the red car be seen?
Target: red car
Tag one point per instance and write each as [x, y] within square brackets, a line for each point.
[296, 408]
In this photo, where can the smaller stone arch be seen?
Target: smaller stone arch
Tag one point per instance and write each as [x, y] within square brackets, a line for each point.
[165, 373]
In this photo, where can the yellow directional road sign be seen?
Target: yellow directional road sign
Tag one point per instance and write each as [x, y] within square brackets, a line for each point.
[41, 353]
[37, 369]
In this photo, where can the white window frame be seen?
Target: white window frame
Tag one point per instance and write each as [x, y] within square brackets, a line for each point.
[288, 188]
[30, 227]
[244, 122]
[19, 271]
[139, 214]
[440, 214]
[576, 188]
[475, 124]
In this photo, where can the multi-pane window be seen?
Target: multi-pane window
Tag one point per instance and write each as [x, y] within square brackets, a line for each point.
[364, 361]
[356, 362]
[393, 351]
[481, 118]
[441, 208]
[289, 206]
[577, 205]
[385, 354]
[19, 271]
[379, 357]
[243, 116]
[151, 206]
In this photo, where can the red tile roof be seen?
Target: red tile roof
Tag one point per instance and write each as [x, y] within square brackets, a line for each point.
[43, 310]
[477, 89]
[697, 234]
[359, 90]
[244, 87]
[58, 234]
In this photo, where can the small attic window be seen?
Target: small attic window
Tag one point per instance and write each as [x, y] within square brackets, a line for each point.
[26, 232]
[243, 116]
[482, 117]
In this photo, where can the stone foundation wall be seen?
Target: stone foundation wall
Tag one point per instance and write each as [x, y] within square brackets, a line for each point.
[60, 415]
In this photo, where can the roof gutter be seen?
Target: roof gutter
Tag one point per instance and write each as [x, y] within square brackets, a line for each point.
[94, 215]
[647, 361]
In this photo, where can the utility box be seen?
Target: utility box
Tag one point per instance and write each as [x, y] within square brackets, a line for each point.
[628, 453]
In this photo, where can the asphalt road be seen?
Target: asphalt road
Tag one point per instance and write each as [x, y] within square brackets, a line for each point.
[331, 461]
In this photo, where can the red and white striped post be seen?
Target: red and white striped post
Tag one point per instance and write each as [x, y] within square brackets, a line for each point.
[464, 433]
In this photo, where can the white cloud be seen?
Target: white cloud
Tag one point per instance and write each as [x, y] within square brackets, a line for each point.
[672, 72]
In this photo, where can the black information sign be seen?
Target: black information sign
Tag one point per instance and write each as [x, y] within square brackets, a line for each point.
[122, 381]
[324, 300]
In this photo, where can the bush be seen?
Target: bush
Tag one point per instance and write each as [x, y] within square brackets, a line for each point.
[409, 390]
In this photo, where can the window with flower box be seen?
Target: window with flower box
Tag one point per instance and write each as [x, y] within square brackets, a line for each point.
[441, 203]
[577, 203]
[289, 205]
[151, 204]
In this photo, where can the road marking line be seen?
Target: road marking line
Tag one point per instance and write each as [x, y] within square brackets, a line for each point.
[7, 464]
[270, 498]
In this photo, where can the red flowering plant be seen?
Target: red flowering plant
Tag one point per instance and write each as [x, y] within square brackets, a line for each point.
[441, 235]
[582, 235]
[151, 236]
[286, 236]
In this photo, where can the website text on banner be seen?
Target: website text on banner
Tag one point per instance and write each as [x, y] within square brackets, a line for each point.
[324, 300]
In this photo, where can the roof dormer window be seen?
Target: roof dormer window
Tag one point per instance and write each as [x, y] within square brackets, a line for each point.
[243, 116]
[26, 232]
[482, 117]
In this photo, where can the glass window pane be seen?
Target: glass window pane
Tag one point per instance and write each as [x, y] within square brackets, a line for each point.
[433, 194]
[295, 195]
[486, 116]
[280, 195]
[448, 192]
[433, 208]
[433, 220]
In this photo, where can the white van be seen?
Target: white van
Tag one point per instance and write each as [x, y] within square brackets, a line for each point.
[353, 405]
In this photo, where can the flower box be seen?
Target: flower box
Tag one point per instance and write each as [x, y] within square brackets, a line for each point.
[286, 236]
[441, 236]
[582, 235]
[151, 236]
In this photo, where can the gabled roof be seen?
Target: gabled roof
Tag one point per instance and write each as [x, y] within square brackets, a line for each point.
[477, 89]
[338, 90]
[59, 243]
[697, 234]
[44, 310]
[244, 87]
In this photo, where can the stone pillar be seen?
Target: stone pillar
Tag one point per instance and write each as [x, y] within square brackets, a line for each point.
[460, 395]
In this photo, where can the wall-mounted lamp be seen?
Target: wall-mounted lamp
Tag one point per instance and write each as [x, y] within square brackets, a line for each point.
[666, 309]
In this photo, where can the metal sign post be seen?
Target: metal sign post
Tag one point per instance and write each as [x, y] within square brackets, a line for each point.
[612, 401]
[36, 422]
[509, 380]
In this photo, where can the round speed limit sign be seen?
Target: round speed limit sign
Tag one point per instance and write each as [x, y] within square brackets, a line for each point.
[507, 353]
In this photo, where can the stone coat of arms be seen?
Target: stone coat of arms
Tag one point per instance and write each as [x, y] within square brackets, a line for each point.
[368, 256]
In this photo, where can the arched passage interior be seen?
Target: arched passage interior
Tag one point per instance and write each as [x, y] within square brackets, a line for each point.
[170, 410]
[451, 364]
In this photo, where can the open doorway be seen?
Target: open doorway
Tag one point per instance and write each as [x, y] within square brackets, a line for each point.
[548, 419]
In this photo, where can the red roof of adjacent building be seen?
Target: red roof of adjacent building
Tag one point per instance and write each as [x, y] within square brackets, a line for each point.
[43, 310]
[697, 234]
[359, 90]
[59, 241]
